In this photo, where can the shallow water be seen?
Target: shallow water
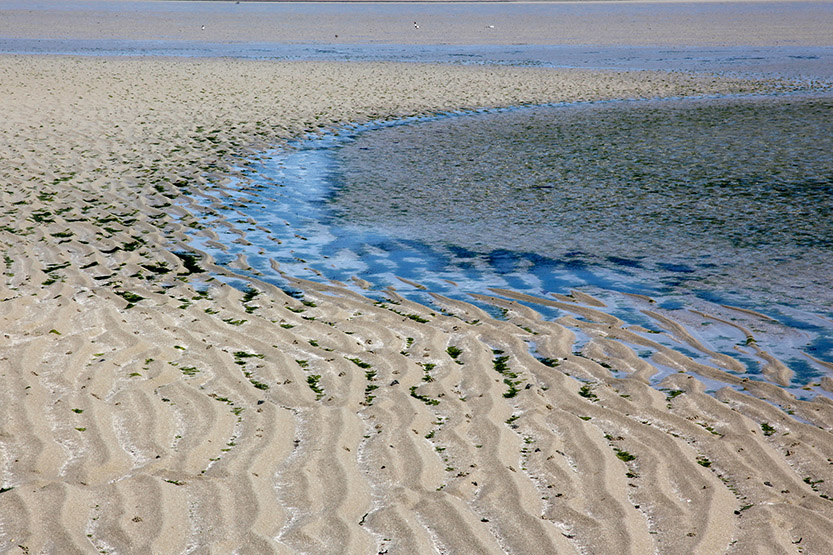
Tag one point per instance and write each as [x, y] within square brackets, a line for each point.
[552, 205]
[802, 63]
[714, 196]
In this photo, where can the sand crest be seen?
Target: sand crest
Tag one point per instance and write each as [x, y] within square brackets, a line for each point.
[148, 407]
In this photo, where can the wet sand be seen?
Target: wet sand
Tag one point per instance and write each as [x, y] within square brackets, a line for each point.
[146, 405]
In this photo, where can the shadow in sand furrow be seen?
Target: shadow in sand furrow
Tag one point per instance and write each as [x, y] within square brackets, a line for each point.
[17, 519]
[676, 504]
[25, 438]
[323, 461]
[393, 421]
[556, 484]
[139, 431]
[336, 470]
[197, 435]
[453, 528]
[776, 443]
[47, 526]
[263, 443]
[242, 512]
[208, 514]
[806, 529]
[595, 473]
[504, 493]
[129, 516]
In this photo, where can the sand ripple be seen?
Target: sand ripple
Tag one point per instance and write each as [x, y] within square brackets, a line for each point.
[147, 406]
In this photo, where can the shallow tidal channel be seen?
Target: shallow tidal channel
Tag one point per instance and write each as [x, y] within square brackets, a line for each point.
[696, 203]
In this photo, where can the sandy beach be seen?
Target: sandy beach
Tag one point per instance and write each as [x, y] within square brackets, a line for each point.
[148, 406]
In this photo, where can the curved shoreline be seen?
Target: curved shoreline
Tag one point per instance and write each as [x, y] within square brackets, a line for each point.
[316, 247]
[148, 408]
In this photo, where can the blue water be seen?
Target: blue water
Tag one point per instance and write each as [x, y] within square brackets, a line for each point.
[290, 195]
[798, 62]
[711, 195]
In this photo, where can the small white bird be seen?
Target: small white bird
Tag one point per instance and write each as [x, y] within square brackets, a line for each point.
[415, 25]
[203, 27]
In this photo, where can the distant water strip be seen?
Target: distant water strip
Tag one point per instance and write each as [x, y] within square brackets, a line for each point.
[802, 63]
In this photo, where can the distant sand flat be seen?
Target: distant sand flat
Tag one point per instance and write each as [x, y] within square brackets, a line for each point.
[146, 407]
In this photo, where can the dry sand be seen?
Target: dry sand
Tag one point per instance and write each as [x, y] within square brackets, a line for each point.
[148, 408]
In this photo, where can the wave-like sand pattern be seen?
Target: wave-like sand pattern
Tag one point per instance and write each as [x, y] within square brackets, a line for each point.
[147, 406]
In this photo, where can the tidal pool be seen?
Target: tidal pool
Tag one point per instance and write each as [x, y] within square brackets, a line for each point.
[695, 203]
[724, 197]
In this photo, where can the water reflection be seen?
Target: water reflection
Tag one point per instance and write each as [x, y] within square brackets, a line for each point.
[494, 201]
[714, 195]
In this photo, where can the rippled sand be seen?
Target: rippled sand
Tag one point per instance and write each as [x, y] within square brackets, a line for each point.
[146, 406]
